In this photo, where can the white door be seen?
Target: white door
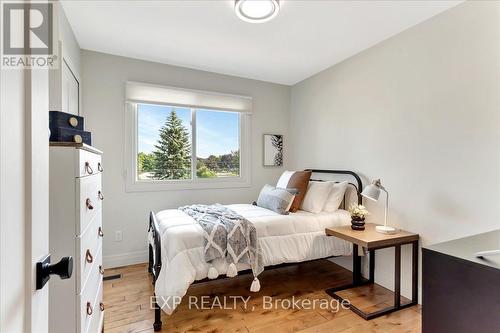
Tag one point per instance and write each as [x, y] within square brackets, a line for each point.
[24, 205]
[24, 227]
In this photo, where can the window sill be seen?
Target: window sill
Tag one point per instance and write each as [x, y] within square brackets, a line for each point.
[154, 186]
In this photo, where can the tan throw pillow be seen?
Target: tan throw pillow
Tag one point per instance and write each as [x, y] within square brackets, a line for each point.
[297, 180]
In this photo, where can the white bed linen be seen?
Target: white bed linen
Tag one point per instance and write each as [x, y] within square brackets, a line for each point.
[289, 238]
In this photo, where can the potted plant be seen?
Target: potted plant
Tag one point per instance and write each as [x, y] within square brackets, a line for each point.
[358, 213]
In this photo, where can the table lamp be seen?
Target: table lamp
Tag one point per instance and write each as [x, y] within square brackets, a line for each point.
[372, 192]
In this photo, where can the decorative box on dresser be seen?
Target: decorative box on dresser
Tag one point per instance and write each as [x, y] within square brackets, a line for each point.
[76, 304]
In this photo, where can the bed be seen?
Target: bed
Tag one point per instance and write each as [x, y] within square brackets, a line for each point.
[176, 244]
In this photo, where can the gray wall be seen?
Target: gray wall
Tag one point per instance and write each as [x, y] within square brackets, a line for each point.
[104, 78]
[421, 112]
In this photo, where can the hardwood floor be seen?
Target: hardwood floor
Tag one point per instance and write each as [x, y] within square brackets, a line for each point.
[128, 308]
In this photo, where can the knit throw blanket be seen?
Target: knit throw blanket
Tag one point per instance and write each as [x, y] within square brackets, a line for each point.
[230, 236]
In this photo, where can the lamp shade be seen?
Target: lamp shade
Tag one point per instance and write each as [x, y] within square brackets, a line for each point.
[371, 192]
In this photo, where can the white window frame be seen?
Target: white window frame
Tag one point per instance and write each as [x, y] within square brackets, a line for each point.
[132, 184]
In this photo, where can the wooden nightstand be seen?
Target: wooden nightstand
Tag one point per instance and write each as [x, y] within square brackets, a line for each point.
[372, 241]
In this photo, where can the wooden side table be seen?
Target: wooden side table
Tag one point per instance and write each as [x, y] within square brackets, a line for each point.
[372, 241]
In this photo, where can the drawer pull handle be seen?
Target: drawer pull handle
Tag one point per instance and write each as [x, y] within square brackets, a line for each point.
[101, 270]
[88, 203]
[88, 257]
[99, 167]
[88, 168]
[99, 231]
[100, 195]
[101, 305]
[89, 309]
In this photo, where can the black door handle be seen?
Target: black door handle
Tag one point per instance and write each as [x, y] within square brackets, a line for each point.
[64, 268]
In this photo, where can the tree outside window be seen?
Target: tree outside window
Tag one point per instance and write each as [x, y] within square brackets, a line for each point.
[166, 145]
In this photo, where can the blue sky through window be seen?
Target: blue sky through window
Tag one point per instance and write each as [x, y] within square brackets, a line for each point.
[217, 132]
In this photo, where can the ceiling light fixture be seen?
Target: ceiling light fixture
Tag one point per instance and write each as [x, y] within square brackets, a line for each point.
[256, 11]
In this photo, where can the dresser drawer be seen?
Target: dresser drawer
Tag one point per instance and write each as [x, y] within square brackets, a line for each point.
[88, 301]
[97, 317]
[88, 251]
[88, 163]
[89, 200]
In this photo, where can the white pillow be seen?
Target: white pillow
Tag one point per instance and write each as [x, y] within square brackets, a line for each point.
[316, 195]
[336, 196]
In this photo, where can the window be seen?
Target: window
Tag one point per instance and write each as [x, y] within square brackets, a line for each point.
[163, 142]
[165, 149]
[217, 144]
[174, 146]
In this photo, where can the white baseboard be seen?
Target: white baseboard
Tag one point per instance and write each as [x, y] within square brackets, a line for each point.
[124, 259]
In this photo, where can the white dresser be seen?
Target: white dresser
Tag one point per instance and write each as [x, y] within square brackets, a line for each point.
[76, 304]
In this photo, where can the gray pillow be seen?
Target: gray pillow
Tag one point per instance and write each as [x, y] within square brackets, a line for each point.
[278, 200]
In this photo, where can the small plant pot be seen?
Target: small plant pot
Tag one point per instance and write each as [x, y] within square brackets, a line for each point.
[357, 223]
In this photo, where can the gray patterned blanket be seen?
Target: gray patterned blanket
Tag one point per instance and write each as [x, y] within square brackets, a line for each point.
[230, 236]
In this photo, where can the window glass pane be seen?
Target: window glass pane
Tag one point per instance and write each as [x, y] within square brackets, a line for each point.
[163, 143]
[217, 144]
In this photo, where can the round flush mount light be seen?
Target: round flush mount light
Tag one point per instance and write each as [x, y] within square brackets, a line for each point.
[256, 11]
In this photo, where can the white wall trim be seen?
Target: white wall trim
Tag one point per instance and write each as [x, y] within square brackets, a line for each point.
[124, 259]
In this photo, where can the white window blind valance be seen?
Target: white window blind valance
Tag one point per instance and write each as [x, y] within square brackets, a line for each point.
[150, 93]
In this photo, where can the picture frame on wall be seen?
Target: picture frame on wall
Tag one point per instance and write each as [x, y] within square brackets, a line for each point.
[273, 150]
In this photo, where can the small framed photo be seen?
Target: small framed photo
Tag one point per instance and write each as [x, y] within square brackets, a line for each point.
[273, 150]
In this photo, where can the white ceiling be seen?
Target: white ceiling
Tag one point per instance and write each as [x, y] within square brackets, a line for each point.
[306, 37]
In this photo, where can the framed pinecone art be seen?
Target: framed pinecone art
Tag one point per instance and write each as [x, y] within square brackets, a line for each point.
[273, 150]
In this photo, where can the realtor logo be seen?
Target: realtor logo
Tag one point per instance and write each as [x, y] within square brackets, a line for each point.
[27, 35]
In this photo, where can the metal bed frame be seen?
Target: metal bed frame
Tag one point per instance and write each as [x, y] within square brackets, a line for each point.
[154, 266]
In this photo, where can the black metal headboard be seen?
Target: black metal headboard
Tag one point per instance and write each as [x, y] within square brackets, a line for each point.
[358, 186]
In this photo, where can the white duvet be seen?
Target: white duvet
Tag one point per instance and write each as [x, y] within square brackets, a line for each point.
[289, 238]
